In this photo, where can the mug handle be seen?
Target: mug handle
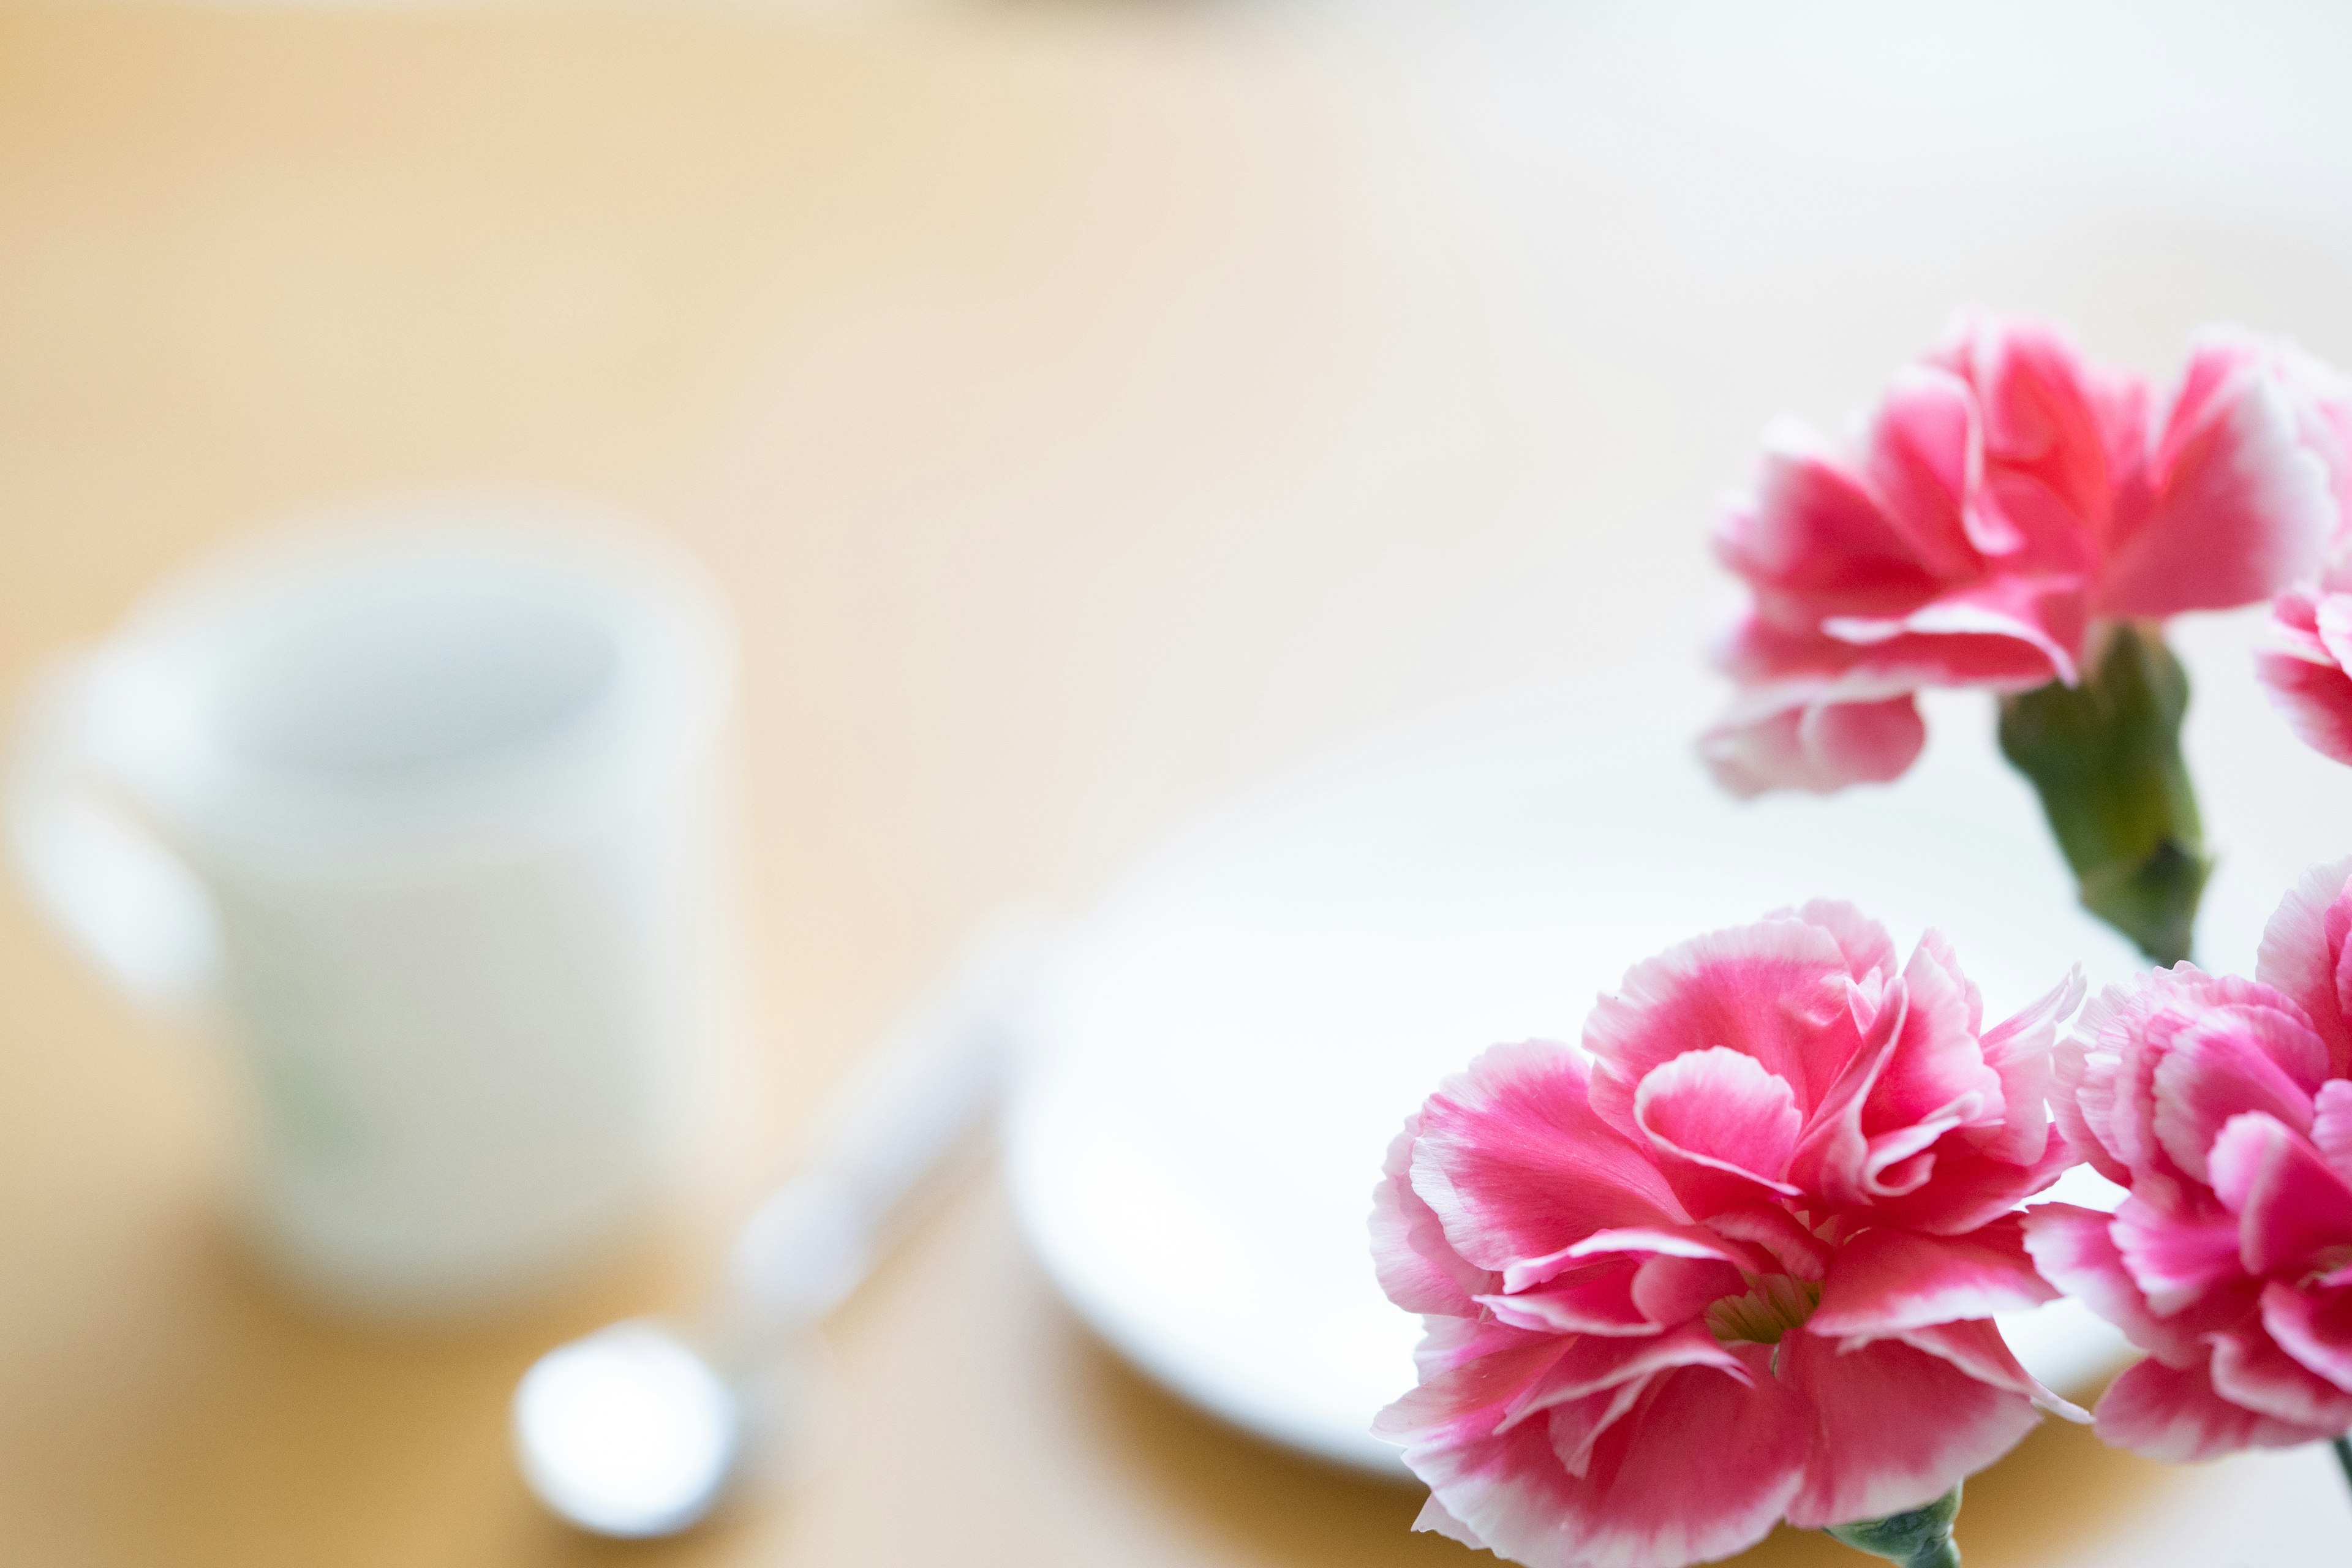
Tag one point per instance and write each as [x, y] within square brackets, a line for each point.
[133, 908]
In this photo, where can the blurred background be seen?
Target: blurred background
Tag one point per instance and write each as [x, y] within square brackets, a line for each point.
[1083, 409]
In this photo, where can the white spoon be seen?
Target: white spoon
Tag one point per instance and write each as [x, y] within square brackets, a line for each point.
[640, 1428]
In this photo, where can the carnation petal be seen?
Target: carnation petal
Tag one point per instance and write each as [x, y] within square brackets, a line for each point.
[1435, 1521]
[1677, 1290]
[1938, 1070]
[1469, 1384]
[1755, 756]
[1815, 531]
[1596, 1297]
[2238, 507]
[1998, 632]
[2331, 1125]
[1775, 990]
[2331, 623]
[2123, 1037]
[2250, 1370]
[1699, 1468]
[1725, 1113]
[2018, 1050]
[2083, 1101]
[1971, 1189]
[1859, 742]
[1779, 1234]
[2303, 681]
[2173, 1413]
[2178, 1247]
[1504, 1494]
[1901, 1163]
[2303, 952]
[1833, 1158]
[1885, 1281]
[2289, 1202]
[1702, 1468]
[1418, 1268]
[1866, 946]
[1872, 1452]
[2074, 1249]
[1591, 1363]
[2235, 1060]
[1924, 462]
[2045, 426]
[1691, 1241]
[1977, 1348]
[1577, 1426]
[2314, 1325]
[1515, 1164]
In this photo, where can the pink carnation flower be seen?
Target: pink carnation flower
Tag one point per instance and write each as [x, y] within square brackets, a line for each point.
[1738, 1267]
[2005, 496]
[2307, 666]
[2223, 1105]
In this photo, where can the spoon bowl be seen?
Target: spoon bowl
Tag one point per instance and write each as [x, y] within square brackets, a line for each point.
[629, 1432]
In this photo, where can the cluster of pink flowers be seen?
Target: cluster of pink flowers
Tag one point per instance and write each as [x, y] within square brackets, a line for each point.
[2006, 499]
[1736, 1260]
[1712, 1278]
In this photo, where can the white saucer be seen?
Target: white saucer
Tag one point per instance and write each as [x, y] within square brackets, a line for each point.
[1224, 1056]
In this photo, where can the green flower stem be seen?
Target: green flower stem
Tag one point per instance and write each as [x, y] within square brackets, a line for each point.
[1919, 1539]
[2105, 756]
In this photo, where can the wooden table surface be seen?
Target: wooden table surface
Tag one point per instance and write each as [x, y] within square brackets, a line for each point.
[1088, 407]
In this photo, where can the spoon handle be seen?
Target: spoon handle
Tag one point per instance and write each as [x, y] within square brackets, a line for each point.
[918, 1096]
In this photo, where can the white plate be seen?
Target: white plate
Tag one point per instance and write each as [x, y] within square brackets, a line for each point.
[1224, 1055]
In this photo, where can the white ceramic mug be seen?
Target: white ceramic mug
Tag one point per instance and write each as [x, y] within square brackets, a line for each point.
[427, 802]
